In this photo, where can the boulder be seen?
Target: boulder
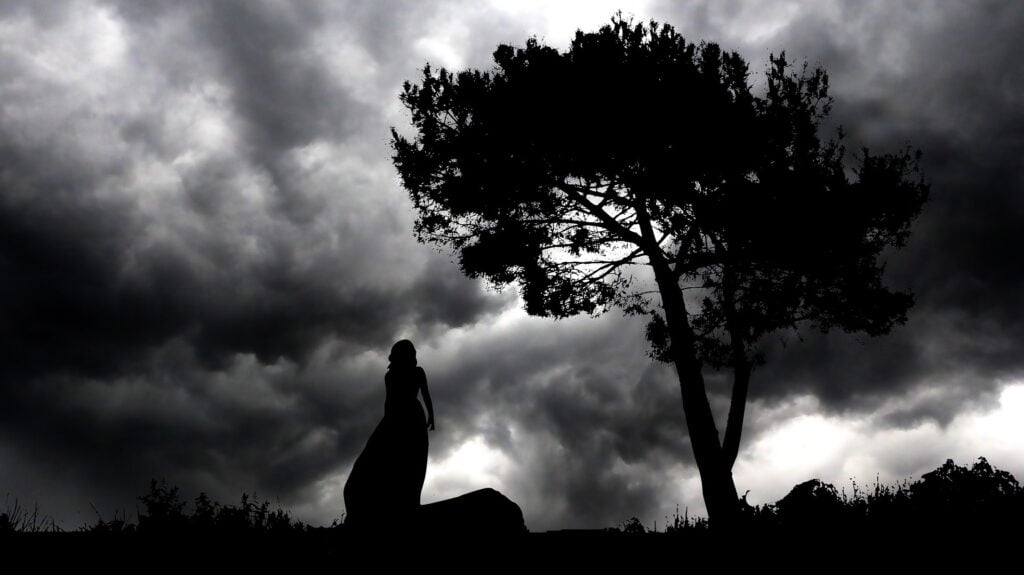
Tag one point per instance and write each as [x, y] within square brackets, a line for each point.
[483, 512]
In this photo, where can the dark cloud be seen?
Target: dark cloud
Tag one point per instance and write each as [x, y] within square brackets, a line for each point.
[186, 227]
[945, 80]
[592, 424]
[206, 255]
[241, 255]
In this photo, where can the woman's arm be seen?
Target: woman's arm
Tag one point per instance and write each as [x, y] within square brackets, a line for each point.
[426, 399]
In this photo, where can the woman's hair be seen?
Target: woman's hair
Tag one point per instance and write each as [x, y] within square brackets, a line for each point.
[402, 354]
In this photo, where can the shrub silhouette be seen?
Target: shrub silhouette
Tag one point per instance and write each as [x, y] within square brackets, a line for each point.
[809, 505]
[633, 526]
[953, 498]
[981, 495]
[164, 509]
[116, 525]
[165, 513]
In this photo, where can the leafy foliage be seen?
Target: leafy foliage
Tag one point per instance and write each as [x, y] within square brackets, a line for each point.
[544, 171]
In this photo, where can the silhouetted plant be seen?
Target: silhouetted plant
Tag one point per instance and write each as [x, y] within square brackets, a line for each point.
[884, 505]
[633, 526]
[118, 524]
[979, 495]
[17, 519]
[682, 523]
[954, 498]
[635, 167]
[164, 510]
[811, 505]
[204, 515]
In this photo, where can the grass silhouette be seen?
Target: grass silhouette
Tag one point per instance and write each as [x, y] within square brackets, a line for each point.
[165, 513]
[954, 496]
[951, 507]
[16, 519]
[951, 497]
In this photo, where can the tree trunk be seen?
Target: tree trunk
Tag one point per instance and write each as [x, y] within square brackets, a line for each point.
[742, 367]
[715, 472]
[737, 408]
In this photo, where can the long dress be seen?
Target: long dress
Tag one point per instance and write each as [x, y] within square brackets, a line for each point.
[387, 477]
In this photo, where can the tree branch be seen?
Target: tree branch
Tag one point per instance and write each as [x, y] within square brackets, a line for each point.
[610, 223]
[741, 365]
[737, 410]
[569, 222]
[610, 265]
[647, 233]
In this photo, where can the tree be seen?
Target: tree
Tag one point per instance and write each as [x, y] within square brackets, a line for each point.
[637, 170]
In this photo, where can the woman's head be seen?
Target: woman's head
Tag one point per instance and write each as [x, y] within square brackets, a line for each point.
[402, 354]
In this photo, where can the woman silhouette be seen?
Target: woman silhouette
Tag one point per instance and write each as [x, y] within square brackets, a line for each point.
[387, 477]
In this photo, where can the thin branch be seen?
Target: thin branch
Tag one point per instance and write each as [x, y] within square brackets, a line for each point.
[610, 223]
[589, 246]
[612, 264]
[568, 222]
[621, 261]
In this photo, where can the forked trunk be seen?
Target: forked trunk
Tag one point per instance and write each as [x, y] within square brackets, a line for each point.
[717, 484]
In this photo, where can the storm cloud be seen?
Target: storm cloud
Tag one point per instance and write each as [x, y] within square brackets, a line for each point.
[206, 255]
[947, 81]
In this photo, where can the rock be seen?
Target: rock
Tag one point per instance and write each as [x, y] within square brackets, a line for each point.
[482, 512]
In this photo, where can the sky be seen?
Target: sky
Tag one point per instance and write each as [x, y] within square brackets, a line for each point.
[206, 254]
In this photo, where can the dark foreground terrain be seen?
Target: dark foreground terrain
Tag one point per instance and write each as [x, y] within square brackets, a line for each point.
[325, 550]
[954, 516]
